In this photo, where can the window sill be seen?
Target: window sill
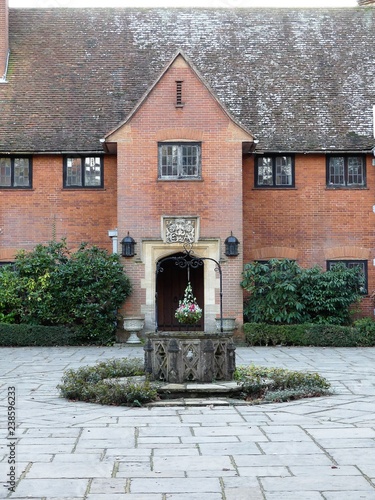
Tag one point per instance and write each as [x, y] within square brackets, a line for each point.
[347, 188]
[68, 189]
[182, 179]
[18, 189]
[274, 188]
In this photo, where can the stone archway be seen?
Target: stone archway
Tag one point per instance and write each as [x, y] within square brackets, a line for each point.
[152, 251]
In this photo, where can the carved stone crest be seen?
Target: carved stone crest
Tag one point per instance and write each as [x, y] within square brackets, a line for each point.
[180, 230]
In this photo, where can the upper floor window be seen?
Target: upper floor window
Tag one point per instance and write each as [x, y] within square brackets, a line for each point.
[346, 171]
[274, 171]
[360, 265]
[15, 172]
[83, 171]
[179, 160]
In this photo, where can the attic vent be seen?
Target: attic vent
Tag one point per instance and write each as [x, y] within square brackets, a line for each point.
[179, 103]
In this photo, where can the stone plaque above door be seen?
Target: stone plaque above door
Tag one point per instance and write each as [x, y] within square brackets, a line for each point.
[180, 229]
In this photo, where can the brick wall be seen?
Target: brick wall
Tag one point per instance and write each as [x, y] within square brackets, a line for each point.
[216, 199]
[310, 223]
[47, 211]
[3, 36]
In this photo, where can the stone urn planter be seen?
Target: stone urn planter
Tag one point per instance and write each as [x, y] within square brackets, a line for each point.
[229, 325]
[133, 325]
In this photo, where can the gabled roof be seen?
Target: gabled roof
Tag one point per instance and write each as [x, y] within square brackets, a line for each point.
[300, 80]
[180, 54]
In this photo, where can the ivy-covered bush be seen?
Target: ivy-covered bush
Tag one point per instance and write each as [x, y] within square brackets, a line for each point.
[53, 286]
[281, 292]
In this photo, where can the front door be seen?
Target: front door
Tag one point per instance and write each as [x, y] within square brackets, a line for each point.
[170, 286]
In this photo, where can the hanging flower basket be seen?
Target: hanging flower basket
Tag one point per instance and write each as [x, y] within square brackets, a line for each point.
[188, 311]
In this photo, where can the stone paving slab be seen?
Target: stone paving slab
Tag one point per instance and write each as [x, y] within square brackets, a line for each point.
[313, 449]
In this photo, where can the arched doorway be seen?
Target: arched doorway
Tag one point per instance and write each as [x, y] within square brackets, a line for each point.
[170, 287]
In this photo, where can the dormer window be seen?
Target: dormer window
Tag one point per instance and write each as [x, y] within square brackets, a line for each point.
[179, 161]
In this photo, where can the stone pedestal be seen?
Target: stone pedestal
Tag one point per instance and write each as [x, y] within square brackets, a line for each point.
[133, 325]
[228, 324]
[178, 357]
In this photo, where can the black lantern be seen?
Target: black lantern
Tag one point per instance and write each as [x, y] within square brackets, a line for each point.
[128, 246]
[231, 245]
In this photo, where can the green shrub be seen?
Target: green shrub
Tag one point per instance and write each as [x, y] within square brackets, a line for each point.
[278, 384]
[281, 292]
[366, 332]
[93, 384]
[37, 335]
[52, 286]
[274, 292]
[362, 334]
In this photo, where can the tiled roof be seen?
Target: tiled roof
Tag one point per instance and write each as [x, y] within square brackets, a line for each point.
[300, 80]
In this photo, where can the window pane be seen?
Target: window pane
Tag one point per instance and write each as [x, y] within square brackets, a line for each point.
[189, 161]
[180, 161]
[5, 172]
[355, 170]
[283, 171]
[169, 160]
[21, 172]
[93, 175]
[265, 172]
[73, 172]
[336, 171]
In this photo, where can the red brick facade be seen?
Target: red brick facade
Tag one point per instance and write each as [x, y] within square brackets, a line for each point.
[216, 199]
[311, 223]
[47, 211]
[75, 102]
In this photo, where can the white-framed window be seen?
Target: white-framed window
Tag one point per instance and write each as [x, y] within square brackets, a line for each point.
[179, 160]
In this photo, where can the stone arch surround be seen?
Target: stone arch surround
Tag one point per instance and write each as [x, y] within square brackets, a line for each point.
[154, 250]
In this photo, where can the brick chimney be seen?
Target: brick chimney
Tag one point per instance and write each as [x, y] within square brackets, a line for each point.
[4, 39]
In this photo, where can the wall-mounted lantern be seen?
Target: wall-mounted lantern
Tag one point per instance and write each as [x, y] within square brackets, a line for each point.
[231, 245]
[128, 246]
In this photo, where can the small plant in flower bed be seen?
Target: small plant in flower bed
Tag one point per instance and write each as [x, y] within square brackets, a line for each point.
[94, 384]
[121, 382]
[262, 384]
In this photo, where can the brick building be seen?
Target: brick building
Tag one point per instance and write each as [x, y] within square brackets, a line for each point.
[170, 125]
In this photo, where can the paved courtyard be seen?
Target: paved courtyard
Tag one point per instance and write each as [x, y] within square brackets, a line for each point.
[312, 449]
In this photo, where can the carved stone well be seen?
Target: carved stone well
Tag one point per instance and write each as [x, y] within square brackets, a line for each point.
[178, 357]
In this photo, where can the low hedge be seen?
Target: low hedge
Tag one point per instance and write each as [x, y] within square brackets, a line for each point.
[361, 334]
[23, 335]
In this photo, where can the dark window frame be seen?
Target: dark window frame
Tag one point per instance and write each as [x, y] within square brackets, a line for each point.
[352, 263]
[83, 184]
[346, 174]
[12, 159]
[179, 176]
[274, 184]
